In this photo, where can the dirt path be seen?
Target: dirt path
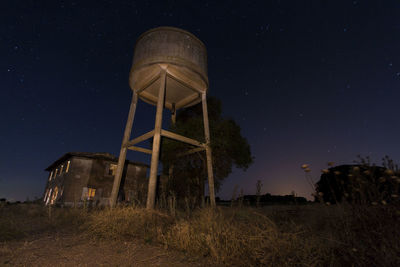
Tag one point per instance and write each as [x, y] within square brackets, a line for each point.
[63, 249]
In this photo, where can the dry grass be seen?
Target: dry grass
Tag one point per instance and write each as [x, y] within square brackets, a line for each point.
[311, 235]
[22, 220]
[243, 237]
[128, 222]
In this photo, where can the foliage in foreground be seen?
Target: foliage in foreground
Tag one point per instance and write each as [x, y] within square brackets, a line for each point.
[309, 235]
[362, 183]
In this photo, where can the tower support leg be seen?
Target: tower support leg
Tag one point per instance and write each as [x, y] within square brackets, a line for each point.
[208, 151]
[122, 153]
[151, 193]
[173, 122]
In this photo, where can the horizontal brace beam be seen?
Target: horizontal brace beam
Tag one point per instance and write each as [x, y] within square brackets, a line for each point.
[181, 138]
[148, 83]
[140, 138]
[191, 151]
[140, 149]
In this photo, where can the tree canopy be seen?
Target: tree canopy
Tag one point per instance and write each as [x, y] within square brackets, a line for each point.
[229, 148]
[360, 183]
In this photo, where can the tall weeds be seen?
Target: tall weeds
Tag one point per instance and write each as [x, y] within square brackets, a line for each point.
[309, 235]
[365, 224]
[243, 237]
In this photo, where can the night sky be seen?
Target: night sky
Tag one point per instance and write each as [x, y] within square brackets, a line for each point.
[307, 81]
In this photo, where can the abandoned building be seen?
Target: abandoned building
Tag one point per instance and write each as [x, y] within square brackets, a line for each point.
[81, 177]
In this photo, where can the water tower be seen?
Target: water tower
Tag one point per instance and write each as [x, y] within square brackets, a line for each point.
[169, 71]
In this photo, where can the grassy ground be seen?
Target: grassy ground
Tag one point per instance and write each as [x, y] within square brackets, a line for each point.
[309, 235]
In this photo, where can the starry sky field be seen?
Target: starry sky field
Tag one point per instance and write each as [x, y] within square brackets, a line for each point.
[307, 81]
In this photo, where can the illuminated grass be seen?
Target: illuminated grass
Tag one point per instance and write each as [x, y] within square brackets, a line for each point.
[307, 235]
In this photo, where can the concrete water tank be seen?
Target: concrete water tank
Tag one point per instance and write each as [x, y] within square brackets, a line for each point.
[185, 58]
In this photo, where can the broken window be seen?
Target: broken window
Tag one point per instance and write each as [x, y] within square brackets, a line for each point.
[88, 193]
[91, 193]
[112, 169]
[54, 196]
[48, 197]
[68, 163]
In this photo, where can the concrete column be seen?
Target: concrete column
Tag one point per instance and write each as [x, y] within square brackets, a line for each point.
[208, 151]
[173, 121]
[151, 194]
[122, 153]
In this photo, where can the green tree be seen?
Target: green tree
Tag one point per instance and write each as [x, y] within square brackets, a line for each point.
[229, 148]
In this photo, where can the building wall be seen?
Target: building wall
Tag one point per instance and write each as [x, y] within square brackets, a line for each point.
[76, 179]
[135, 184]
[57, 181]
[86, 174]
[101, 180]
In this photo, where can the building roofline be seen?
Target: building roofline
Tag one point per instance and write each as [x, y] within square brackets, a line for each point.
[91, 155]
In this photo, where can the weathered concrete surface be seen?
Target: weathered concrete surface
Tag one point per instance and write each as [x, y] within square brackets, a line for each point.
[186, 59]
[94, 173]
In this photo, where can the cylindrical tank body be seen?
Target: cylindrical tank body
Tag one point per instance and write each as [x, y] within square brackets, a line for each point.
[182, 54]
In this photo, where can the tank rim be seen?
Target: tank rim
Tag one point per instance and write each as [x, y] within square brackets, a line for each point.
[170, 28]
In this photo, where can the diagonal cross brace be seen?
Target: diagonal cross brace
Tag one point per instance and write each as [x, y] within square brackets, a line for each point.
[191, 151]
[140, 149]
[140, 139]
[181, 138]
